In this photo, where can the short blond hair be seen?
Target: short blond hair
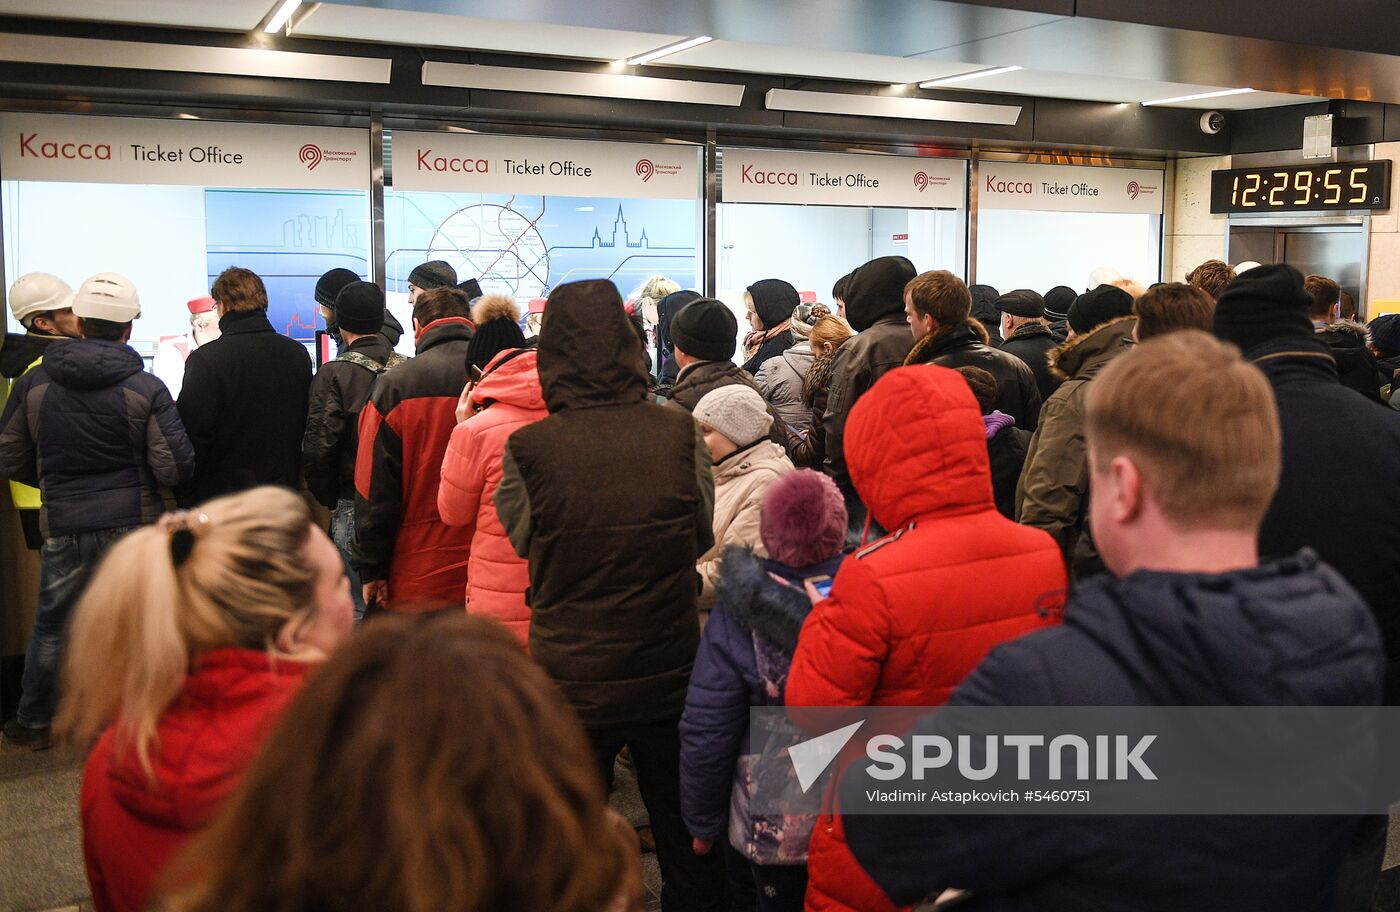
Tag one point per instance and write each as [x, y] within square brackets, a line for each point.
[1199, 421]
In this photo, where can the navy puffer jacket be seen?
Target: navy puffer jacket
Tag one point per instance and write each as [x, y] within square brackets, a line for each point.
[745, 652]
[97, 434]
[1289, 633]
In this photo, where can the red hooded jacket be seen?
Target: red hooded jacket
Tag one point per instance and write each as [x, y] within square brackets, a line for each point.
[912, 614]
[510, 397]
[133, 826]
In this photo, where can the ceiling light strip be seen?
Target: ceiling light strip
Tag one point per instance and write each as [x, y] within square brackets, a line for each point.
[1197, 97]
[668, 50]
[592, 85]
[180, 58]
[891, 106]
[279, 18]
[967, 77]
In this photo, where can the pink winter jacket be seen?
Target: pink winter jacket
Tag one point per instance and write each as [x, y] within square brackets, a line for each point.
[509, 397]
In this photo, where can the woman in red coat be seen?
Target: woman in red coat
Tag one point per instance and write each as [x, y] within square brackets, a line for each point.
[192, 637]
[505, 399]
[910, 615]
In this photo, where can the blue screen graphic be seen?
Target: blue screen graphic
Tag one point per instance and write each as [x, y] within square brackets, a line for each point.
[527, 245]
[289, 238]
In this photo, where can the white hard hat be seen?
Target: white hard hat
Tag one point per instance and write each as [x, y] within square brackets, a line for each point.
[107, 296]
[36, 293]
[1246, 266]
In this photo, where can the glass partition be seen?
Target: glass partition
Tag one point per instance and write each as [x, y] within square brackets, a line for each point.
[233, 195]
[1039, 226]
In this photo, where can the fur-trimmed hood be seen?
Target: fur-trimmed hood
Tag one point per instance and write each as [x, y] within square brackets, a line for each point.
[1084, 355]
[761, 604]
[1345, 334]
[967, 332]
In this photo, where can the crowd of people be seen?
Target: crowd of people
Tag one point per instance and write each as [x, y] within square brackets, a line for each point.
[379, 635]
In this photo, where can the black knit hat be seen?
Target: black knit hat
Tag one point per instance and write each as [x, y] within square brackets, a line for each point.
[705, 329]
[1058, 301]
[1264, 303]
[433, 274]
[359, 308]
[471, 286]
[774, 300]
[876, 291]
[329, 285]
[1098, 306]
[1021, 303]
[497, 320]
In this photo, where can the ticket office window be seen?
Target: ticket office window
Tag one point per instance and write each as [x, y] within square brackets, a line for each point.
[1039, 250]
[526, 244]
[812, 246]
[173, 241]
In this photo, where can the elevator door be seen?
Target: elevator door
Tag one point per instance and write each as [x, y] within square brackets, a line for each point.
[1338, 253]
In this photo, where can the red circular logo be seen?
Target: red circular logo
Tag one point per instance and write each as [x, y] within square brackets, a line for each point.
[310, 155]
[646, 168]
[1134, 188]
[921, 181]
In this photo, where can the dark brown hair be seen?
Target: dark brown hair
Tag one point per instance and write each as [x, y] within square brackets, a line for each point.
[984, 387]
[1325, 293]
[1212, 277]
[428, 766]
[239, 290]
[441, 303]
[103, 330]
[1172, 306]
[838, 291]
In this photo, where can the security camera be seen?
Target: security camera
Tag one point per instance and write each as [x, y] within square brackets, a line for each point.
[1212, 122]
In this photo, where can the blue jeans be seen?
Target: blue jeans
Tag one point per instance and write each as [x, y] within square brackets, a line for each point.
[65, 564]
[343, 534]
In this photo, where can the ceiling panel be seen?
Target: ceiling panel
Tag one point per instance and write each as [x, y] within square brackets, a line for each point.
[232, 15]
[1079, 87]
[1116, 50]
[893, 28]
[788, 61]
[429, 29]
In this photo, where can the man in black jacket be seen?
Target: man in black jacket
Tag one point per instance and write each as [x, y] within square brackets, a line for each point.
[1339, 493]
[875, 309]
[613, 586]
[244, 398]
[938, 307]
[339, 391]
[1189, 617]
[1027, 335]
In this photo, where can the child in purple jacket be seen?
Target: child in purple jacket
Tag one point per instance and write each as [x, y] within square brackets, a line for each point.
[743, 661]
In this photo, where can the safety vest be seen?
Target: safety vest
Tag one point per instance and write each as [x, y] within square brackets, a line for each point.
[24, 497]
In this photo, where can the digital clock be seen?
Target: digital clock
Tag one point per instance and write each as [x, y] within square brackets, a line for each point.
[1342, 185]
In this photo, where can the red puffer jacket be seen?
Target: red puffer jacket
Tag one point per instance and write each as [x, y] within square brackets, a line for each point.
[910, 615]
[133, 825]
[510, 397]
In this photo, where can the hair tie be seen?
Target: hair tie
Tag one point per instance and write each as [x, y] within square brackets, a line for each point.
[181, 526]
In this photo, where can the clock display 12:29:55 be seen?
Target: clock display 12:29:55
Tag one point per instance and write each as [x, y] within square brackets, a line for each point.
[1338, 185]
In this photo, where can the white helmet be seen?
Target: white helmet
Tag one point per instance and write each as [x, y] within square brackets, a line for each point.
[1246, 266]
[37, 293]
[107, 296]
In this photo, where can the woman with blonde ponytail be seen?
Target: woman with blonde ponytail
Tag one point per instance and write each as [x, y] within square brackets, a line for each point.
[193, 635]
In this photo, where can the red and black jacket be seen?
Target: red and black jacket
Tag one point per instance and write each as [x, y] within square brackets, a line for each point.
[403, 431]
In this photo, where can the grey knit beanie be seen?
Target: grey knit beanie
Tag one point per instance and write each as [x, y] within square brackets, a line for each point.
[736, 411]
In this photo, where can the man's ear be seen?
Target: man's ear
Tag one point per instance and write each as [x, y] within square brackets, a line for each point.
[1126, 489]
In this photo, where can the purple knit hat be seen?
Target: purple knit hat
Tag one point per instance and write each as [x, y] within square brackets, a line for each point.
[803, 521]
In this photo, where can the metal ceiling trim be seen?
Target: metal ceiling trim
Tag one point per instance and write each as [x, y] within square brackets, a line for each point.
[182, 58]
[571, 82]
[892, 107]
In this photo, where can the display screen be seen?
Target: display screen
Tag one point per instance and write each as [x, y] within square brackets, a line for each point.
[1339, 185]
